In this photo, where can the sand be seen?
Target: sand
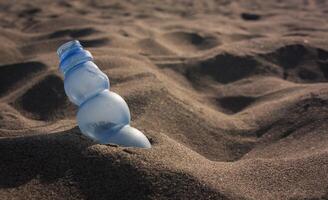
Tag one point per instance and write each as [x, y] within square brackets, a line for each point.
[232, 95]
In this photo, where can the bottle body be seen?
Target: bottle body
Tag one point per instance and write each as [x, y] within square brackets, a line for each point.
[103, 115]
[84, 81]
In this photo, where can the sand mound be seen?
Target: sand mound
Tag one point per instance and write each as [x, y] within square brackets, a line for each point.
[232, 95]
[12, 74]
[45, 100]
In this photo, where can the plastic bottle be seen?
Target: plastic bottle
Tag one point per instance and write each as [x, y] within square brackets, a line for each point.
[103, 115]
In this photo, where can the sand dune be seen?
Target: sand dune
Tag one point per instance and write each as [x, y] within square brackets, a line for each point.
[232, 95]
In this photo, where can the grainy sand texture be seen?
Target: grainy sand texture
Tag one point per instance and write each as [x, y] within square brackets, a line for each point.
[232, 95]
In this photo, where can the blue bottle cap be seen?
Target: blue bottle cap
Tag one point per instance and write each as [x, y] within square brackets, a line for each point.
[71, 54]
[68, 46]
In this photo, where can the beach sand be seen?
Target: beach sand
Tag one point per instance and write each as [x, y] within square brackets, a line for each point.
[232, 95]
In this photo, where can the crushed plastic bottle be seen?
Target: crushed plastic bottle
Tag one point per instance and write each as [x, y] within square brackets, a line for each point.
[103, 115]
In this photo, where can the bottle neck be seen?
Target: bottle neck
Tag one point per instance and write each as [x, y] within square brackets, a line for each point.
[72, 54]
